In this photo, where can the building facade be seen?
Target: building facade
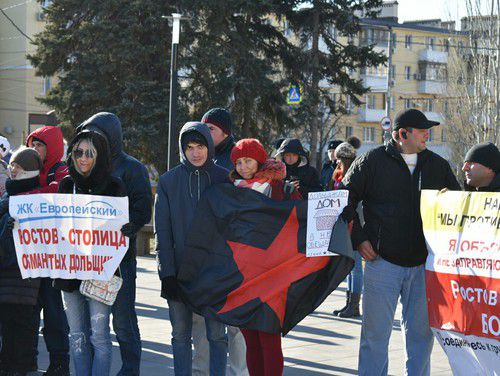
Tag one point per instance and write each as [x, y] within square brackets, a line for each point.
[19, 87]
[416, 78]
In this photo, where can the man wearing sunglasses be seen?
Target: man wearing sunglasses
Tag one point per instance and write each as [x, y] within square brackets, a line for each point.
[48, 142]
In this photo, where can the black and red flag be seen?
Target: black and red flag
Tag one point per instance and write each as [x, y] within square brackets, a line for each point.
[245, 263]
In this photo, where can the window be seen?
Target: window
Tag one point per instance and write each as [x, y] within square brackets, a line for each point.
[46, 85]
[348, 131]
[371, 102]
[408, 41]
[408, 104]
[407, 73]
[334, 99]
[430, 43]
[393, 72]
[348, 104]
[429, 105]
[446, 45]
[393, 103]
[394, 41]
[431, 135]
[445, 107]
[369, 134]
[443, 135]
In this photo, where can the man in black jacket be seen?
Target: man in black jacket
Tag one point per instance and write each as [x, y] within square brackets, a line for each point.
[220, 124]
[482, 168]
[135, 176]
[388, 180]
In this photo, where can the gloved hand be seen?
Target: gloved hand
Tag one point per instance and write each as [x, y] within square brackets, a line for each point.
[10, 224]
[129, 229]
[348, 214]
[169, 288]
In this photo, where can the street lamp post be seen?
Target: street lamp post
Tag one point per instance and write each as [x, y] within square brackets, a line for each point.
[172, 116]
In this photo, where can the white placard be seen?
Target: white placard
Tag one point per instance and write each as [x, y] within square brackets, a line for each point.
[69, 236]
[323, 209]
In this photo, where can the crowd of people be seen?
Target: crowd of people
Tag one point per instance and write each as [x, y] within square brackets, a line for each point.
[384, 187]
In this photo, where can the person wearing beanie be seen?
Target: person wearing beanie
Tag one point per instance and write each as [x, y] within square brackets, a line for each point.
[177, 196]
[345, 153]
[481, 168]
[298, 171]
[18, 296]
[388, 180]
[220, 123]
[254, 170]
[330, 165]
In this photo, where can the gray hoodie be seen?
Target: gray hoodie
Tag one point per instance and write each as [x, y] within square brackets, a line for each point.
[177, 195]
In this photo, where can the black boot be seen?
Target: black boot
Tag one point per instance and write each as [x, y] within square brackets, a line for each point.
[352, 308]
[347, 299]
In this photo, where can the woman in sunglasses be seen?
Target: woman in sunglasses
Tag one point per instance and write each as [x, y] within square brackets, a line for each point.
[90, 341]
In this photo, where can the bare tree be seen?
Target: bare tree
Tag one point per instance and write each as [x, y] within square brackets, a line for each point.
[473, 111]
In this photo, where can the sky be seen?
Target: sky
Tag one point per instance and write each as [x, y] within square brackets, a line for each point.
[428, 9]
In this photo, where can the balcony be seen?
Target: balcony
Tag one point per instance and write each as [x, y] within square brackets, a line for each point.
[374, 83]
[431, 56]
[432, 87]
[368, 115]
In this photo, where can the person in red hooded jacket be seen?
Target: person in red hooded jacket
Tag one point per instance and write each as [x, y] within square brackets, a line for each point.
[48, 142]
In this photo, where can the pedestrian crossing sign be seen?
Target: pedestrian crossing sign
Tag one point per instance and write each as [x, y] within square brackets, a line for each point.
[294, 94]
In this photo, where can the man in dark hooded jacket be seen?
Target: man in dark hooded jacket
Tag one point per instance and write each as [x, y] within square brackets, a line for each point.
[482, 168]
[298, 171]
[135, 176]
[178, 193]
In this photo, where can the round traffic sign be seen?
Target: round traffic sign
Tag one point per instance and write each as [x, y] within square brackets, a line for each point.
[386, 123]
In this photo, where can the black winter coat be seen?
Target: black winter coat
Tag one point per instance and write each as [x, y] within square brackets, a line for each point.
[99, 182]
[301, 171]
[391, 201]
[13, 288]
[222, 155]
[132, 172]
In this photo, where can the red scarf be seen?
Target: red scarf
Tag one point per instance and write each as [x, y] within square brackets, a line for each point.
[270, 172]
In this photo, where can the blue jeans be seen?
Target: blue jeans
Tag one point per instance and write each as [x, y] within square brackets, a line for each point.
[55, 325]
[355, 277]
[384, 284]
[181, 318]
[89, 334]
[125, 321]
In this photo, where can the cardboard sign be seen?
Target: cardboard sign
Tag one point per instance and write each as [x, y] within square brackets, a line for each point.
[323, 209]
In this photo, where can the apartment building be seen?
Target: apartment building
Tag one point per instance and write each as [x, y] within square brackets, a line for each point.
[19, 87]
[416, 77]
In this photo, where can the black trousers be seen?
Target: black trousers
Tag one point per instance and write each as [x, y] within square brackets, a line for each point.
[19, 337]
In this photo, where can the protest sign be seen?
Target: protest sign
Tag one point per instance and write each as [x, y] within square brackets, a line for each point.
[323, 209]
[463, 277]
[69, 236]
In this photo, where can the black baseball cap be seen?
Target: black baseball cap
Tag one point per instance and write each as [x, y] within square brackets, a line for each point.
[413, 118]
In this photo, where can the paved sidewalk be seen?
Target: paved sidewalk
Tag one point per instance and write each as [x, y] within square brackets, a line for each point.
[320, 345]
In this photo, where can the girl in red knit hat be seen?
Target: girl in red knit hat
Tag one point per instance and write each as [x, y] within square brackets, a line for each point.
[254, 170]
